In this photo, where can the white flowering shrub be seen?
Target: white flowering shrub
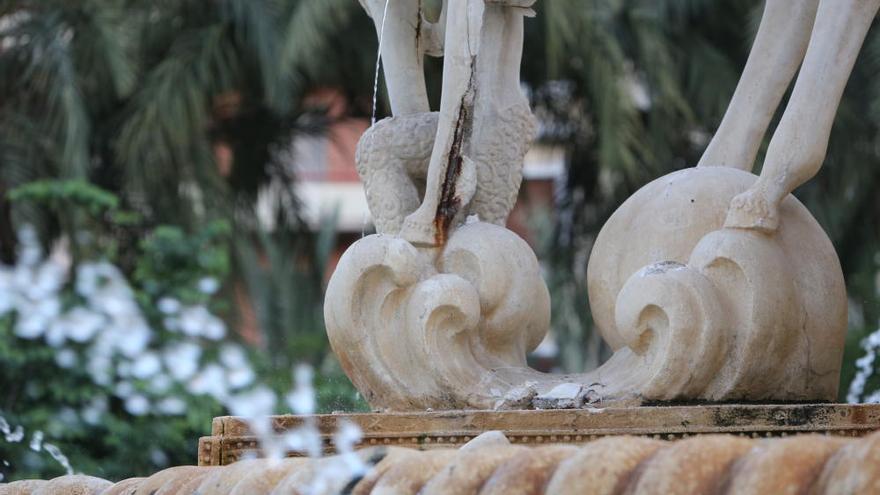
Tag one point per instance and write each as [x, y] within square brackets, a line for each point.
[89, 359]
[114, 350]
[94, 323]
[864, 385]
[116, 378]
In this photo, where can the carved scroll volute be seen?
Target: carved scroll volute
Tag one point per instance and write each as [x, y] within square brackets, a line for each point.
[367, 274]
[753, 276]
[442, 314]
[413, 333]
[514, 301]
[671, 318]
[728, 325]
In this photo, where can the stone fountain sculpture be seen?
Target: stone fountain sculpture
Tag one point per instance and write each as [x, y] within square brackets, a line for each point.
[710, 284]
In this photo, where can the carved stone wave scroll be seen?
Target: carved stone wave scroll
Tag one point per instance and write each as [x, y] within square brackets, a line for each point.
[707, 283]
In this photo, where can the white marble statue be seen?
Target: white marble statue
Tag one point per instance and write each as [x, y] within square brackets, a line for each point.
[708, 283]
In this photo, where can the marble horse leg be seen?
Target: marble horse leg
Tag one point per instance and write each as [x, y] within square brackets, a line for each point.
[799, 145]
[776, 54]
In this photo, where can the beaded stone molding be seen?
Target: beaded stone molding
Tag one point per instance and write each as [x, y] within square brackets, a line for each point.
[232, 440]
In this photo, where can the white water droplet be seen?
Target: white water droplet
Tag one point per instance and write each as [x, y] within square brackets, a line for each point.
[56, 454]
[302, 398]
[15, 435]
[259, 402]
[37, 441]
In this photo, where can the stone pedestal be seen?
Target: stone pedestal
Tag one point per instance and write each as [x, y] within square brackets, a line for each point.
[231, 438]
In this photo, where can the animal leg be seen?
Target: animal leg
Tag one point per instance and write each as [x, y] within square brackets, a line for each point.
[776, 54]
[799, 144]
[402, 53]
[392, 157]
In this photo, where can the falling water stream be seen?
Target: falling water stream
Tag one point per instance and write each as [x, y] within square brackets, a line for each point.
[378, 62]
[36, 444]
[376, 92]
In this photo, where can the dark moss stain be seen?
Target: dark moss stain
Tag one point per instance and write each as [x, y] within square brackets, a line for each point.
[734, 416]
[777, 416]
[420, 440]
[799, 416]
